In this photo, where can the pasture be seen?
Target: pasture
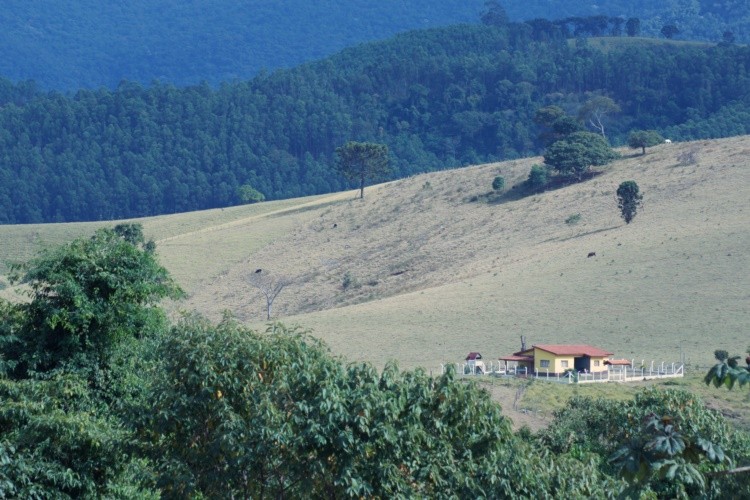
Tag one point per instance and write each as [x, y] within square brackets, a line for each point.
[437, 268]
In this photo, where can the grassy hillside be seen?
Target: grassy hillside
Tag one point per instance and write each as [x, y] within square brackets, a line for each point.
[434, 274]
[440, 275]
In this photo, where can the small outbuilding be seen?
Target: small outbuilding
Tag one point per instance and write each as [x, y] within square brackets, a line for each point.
[474, 363]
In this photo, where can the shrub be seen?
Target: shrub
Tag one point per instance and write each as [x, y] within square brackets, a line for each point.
[689, 157]
[573, 219]
[349, 281]
[538, 177]
[498, 184]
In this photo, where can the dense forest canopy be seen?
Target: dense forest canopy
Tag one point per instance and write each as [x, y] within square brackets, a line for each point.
[437, 98]
[92, 43]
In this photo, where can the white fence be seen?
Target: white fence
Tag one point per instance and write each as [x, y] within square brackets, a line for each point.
[613, 374]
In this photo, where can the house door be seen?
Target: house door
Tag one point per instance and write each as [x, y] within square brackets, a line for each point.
[582, 364]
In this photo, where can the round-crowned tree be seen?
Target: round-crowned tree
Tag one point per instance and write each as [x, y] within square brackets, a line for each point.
[643, 139]
[577, 152]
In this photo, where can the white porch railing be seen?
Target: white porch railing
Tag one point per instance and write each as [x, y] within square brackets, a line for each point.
[613, 374]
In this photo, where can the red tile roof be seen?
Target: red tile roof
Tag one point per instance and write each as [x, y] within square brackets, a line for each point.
[622, 362]
[517, 358]
[473, 355]
[573, 350]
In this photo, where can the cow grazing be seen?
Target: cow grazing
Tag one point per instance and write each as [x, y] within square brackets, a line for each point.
[591, 254]
[258, 271]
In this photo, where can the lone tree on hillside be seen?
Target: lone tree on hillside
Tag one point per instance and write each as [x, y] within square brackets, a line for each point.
[269, 285]
[248, 194]
[644, 138]
[628, 200]
[576, 153]
[362, 161]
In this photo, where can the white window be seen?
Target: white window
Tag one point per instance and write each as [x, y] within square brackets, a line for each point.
[564, 363]
[544, 363]
[596, 362]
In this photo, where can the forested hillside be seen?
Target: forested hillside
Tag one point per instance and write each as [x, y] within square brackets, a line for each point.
[90, 43]
[438, 98]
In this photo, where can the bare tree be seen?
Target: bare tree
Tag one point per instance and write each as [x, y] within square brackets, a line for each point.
[269, 285]
[596, 110]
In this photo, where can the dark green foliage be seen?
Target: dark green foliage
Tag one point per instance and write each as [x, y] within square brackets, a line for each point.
[629, 199]
[643, 139]
[665, 441]
[728, 371]
[721, 355]
[577, 152]
[437, 98]
[362, 162]
[494, 14]
[57, 441]
[660, 450]
[238, 413]
[498, 183]
[669, 31]
[538, 177]
[221, 411]
[555, 124]
[86, 297]
[633, 26]
[73, 367]
[187, 43]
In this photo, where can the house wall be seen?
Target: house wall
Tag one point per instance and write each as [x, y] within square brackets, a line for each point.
[555, 362]
[601, 368]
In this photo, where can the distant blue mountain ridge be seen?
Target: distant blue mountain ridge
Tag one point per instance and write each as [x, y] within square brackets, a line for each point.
[95, 43]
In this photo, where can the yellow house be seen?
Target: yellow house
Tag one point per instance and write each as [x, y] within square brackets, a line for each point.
[553, 359]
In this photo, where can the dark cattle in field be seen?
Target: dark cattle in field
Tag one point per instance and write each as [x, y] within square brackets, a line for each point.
[591, 254]
[258, 270]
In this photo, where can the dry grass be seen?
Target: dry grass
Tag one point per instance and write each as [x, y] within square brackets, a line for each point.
[436, 275]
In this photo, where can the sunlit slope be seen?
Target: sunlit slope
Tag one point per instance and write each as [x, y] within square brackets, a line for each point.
[437, 275]
[435, 271]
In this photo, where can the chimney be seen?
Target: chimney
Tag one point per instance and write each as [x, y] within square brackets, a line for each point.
[523, 343]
